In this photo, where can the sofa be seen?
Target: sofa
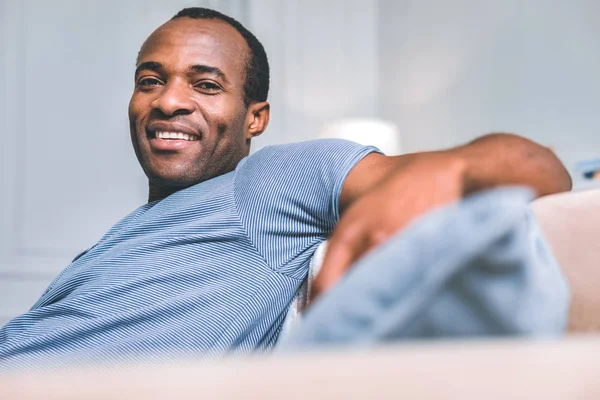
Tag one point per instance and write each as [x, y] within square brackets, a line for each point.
[571, 225]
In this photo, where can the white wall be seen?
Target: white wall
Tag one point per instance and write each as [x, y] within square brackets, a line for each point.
[68, 172]
[323, 56]
[452, 70]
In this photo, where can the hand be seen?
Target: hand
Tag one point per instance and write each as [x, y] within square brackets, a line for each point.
[418, 187]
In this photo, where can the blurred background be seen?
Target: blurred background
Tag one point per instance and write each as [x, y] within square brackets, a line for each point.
[423, 75]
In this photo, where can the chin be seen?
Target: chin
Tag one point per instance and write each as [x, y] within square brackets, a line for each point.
[171, 179]
[173, 182]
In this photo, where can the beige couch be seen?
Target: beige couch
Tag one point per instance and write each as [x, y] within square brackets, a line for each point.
[571, 224]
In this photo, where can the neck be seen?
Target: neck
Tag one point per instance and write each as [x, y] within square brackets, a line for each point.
[158, 193]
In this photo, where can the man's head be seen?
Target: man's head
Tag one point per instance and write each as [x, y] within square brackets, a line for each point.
[200, 94]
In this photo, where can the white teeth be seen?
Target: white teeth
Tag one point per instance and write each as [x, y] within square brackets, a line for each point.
[176, 135]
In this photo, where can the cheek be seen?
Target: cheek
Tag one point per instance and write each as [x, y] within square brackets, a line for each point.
[221, 129]
[230, 131]
[137, 105]
[132, 106]
[133, 115]
[227, 121]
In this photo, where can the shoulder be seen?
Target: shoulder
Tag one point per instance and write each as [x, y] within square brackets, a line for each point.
[324, 153]
[305, 173]
[319, 145]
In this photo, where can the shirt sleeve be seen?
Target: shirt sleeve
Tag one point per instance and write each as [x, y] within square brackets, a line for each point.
[288, 196]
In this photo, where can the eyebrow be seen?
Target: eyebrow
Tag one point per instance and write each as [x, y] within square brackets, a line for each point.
[151, 65]
[207, 69]
[201, 69]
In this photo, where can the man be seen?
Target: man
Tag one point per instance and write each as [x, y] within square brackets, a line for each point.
[212, 262]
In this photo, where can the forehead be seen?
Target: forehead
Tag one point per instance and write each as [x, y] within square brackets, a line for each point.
[183, 42]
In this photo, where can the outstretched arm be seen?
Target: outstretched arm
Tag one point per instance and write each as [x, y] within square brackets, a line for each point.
[382, 194]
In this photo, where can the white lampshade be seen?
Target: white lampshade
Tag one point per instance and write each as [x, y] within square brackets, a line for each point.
[375, 132]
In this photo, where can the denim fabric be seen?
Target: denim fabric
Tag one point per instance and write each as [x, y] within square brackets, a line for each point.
[479, 267]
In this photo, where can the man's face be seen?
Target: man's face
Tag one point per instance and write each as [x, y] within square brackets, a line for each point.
[188, 121]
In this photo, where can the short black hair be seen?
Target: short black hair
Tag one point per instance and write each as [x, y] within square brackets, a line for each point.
[256, 87]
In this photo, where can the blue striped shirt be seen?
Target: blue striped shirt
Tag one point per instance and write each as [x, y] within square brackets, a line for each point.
[208, 270]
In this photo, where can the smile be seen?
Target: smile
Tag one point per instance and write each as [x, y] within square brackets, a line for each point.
[174, 136]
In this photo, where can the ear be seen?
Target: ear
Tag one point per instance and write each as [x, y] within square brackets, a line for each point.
[257, 118]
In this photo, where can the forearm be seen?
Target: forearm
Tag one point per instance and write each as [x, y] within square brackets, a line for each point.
[492, 160]
[506, 159]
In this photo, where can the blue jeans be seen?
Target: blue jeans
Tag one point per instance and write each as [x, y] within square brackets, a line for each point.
[480, 267]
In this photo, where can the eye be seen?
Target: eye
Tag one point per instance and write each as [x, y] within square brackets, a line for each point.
[208, 87]
[148, 82]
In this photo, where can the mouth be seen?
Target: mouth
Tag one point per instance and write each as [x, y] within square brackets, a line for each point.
[160, 135]
[172, 141]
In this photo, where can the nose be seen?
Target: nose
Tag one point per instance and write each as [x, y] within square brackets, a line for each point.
[174, 99]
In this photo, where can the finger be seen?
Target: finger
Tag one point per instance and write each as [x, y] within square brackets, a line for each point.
[332, 269]
[342, 250]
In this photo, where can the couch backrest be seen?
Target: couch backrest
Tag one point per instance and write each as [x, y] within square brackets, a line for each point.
[571, 224]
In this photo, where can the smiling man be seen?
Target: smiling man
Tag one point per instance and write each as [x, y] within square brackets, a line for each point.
[210, 264]
[203, 79]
